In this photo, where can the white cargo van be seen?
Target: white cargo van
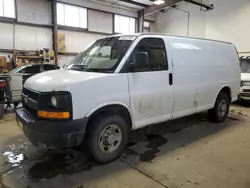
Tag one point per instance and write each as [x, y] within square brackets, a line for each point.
[125, 82]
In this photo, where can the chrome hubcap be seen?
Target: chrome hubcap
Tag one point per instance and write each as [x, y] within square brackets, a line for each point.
[222, 108]
[110, 138]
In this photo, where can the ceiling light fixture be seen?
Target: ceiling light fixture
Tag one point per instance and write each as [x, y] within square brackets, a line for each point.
[159, 2]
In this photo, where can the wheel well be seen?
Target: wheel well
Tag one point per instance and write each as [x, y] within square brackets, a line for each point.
[227, 91]
[112, 109]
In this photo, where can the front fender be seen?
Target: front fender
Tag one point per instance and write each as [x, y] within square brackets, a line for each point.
[110, 104]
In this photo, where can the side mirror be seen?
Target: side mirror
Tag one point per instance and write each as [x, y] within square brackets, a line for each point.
[141, 60]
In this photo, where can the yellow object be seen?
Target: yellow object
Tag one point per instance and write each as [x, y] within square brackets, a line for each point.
[61, 42]
[54, 115]
[52, 53]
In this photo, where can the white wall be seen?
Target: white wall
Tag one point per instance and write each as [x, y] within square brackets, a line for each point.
[150, 17]
[197, 21]
[100, 21]
[34, 11]
[185, 20]
[153, 27]
[6, 36]
[19, 37]
[104, 7]
[227, 22]
[173, 22]
[32, 38]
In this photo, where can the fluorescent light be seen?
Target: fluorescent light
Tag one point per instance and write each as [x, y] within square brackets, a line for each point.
[159, 2]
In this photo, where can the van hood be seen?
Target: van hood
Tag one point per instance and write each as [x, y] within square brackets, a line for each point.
[59, 80]
[245, 76]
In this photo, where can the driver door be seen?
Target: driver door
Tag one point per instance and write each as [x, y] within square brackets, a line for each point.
[150, 83]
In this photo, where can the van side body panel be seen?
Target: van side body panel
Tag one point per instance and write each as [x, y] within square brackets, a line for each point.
[150, 92]
[201, 68]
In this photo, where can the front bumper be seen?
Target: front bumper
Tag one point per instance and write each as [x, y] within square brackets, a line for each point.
[244, 93]
[60, 134]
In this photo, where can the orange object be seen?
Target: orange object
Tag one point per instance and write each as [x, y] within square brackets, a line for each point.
[54, 115]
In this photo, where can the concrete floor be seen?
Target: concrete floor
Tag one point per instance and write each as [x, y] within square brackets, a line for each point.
[189, 152]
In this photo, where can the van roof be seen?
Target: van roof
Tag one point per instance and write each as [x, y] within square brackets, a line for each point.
[162, 34]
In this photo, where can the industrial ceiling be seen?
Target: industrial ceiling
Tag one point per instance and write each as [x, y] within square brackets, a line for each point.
[151, 5]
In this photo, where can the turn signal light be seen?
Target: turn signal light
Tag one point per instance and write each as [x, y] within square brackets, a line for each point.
[53, 115]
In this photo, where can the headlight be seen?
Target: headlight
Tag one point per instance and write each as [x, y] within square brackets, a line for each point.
[59, 101]
[53, 101]
[55, 105]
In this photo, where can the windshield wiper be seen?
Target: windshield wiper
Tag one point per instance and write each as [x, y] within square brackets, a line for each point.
[88, 69]
[99, 70]
[80, 67]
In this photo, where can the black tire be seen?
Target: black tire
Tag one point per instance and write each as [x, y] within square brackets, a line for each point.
[94, 131]
[214, 114]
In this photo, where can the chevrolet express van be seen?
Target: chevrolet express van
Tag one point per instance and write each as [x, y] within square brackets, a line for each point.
[125, 82]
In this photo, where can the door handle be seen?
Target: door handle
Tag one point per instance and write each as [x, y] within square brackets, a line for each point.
[170, 79]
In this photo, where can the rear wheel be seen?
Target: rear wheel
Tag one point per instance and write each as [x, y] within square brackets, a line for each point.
[221, 108]
[107, 137]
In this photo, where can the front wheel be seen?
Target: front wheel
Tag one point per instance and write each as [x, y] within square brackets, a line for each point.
[107, 138]
[221, 108]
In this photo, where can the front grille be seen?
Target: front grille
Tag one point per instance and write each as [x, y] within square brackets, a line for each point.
[31, 94]
[246, 90]
[28, 106]
[245, 94]
[30, 110]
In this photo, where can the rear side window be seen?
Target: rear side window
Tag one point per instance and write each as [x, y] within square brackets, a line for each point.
[155, 49]
[49, 67]
[31, 70]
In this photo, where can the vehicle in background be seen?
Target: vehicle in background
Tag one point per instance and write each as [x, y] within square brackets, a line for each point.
[32, 69]
[245, 79]
[125, 82]
[14, 80]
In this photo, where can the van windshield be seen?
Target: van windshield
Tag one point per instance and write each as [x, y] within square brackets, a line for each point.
[103, 55]
[245, 66]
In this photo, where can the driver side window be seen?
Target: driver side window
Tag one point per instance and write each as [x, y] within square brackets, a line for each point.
[149, 55]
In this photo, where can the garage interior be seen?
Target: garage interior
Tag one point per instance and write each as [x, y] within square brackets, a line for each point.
[188, 152]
